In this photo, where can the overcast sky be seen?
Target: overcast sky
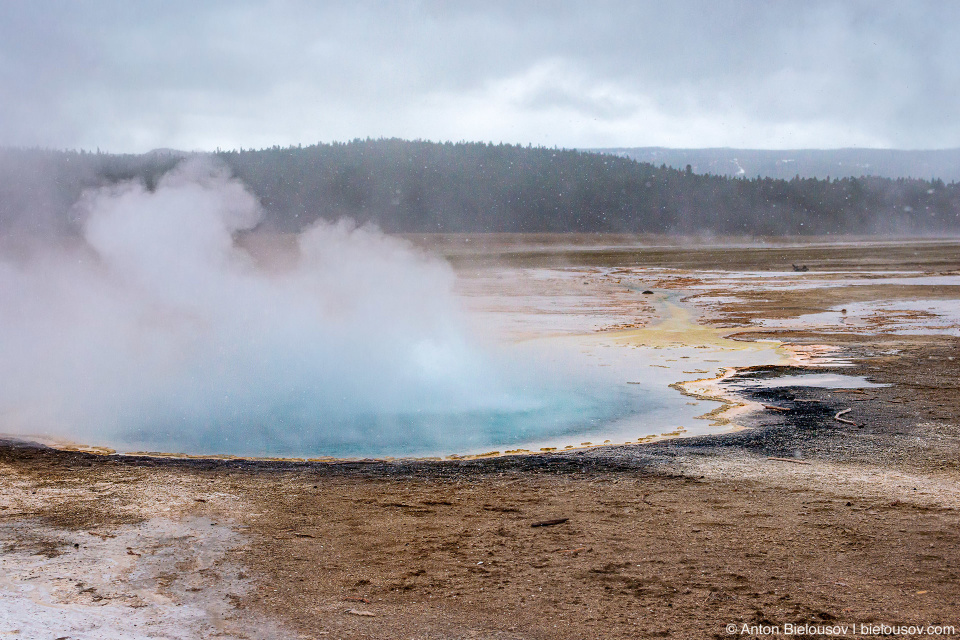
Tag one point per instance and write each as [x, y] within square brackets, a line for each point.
[133, 76]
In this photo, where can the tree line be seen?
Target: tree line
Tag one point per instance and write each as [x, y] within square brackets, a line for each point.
[418, 186]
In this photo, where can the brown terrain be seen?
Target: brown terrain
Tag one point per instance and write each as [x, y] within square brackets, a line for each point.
[801, 518]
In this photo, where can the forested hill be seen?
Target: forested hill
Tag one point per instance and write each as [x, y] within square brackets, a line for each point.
[433, 187]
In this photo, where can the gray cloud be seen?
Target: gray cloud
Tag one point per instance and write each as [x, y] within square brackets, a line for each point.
[132, 76]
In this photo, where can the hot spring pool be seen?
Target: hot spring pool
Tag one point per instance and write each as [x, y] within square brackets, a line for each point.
[588, 390]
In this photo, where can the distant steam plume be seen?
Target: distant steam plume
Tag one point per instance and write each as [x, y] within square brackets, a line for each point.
[159, 331]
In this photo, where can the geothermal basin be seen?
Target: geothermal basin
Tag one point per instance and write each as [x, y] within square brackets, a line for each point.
[799, 515]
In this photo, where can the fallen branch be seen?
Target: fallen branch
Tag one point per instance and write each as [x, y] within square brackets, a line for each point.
[844, 420]
[549, 523]
[793, 460]
[358, 612]
[770, 406]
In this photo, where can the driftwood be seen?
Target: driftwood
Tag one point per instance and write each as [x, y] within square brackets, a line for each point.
[844, 420]
[770, 406]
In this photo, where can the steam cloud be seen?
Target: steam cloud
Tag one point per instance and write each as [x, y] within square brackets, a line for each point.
[161, 331]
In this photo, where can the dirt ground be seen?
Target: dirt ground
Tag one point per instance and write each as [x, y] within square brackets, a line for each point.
[799, 519]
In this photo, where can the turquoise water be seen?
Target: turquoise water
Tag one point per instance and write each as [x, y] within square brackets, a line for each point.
[296, 433]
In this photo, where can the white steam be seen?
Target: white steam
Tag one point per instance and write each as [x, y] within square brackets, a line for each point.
[162, 332]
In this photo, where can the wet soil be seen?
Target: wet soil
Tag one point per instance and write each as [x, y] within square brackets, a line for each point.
[757, 305]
